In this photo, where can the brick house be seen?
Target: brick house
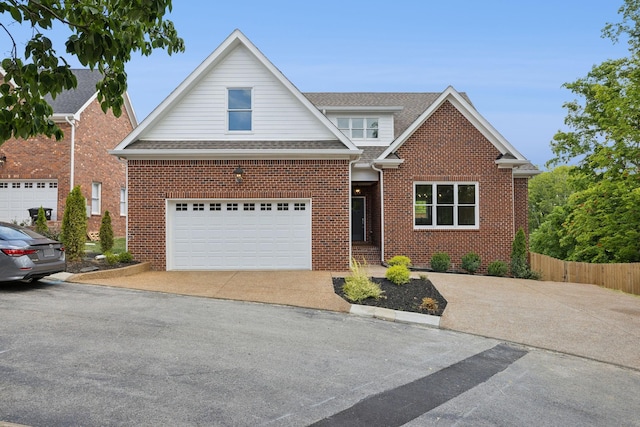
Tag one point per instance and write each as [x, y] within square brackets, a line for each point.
[237, 169]
[41, 171]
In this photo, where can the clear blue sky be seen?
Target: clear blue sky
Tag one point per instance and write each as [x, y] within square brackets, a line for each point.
[510, 57]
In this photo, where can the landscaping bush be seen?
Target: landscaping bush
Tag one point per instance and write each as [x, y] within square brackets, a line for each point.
[429, 304]
[74, 225]
[497, 268]
[440, 261]
[399, 260]
[106, 233]
[519, 265]
[398, 274]
[471, 262]
[111, 258]
[359, 286]
[125, 257]
[41, 222]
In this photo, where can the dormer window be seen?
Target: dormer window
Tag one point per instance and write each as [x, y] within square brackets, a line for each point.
[359, 127]
[239, 109]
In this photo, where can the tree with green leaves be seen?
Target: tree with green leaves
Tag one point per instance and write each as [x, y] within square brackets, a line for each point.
[546, 191]
[600, 222]
[519, 264]
[41, 222]
[103, 36]
[106, 233]
[74, 225]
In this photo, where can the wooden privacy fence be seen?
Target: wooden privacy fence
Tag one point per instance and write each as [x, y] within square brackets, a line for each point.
[621, 277]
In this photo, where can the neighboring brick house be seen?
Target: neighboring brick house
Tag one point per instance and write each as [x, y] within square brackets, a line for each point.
[237, 169]
[41, 171]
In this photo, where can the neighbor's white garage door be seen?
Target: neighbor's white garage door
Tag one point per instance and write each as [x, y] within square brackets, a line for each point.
[17, 197]
[239, 234]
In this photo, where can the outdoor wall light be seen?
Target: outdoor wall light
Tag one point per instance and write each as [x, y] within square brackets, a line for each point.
[357, 191]
[3, 160]
[238, 172]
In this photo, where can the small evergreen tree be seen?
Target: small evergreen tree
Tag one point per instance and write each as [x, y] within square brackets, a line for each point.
[519, 265]
[106, 233]
[74, 225]
[41, 223]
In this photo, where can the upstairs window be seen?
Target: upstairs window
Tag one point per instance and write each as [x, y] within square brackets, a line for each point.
[359, 128]
[445, 205]
[239, 109]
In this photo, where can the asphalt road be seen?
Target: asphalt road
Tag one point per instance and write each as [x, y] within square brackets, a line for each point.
[84, 355]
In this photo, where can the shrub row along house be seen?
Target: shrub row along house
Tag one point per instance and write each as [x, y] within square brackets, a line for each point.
[41, 171]
[237, 169]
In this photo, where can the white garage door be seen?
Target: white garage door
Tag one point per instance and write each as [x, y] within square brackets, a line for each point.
[17, 197]
[239, 235]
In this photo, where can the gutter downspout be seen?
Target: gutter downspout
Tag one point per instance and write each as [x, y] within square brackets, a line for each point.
[72, 122]
[373, 166]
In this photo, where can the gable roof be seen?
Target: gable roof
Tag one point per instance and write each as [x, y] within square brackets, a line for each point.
[72, 101]
[510, 157]
[132, 146]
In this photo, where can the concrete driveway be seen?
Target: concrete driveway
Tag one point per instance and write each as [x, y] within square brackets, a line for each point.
[583, 320]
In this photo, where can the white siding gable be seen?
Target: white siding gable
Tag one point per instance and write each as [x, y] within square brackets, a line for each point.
[385, 127]
[201, 113]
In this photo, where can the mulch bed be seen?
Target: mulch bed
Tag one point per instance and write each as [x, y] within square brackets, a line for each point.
[406, 297]
[91, 264]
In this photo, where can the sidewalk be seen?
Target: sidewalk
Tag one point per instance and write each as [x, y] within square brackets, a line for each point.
[577, 319]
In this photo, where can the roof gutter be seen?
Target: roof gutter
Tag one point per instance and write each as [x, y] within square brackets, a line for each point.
[176, 154]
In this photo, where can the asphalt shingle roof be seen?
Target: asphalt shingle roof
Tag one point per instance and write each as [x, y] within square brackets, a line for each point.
[413, 103]
[70, 101]
[236, 145]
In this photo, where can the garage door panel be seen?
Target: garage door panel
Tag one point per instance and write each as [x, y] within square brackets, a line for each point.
[217, 235]
[16, 197]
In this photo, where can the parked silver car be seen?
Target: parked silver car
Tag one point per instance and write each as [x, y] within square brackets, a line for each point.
[26, 255]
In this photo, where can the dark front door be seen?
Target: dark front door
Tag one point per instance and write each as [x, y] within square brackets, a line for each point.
[357, 219]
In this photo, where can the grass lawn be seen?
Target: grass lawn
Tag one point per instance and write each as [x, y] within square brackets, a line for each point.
[119, 246]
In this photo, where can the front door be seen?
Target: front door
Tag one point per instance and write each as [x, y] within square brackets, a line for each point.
[357, 219]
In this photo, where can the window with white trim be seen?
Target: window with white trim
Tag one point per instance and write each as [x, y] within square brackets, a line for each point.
[445, 205]
[239, 109]
[123, 202]
[359, 127]
[96, 194]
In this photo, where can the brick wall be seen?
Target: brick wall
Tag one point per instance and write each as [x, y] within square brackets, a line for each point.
[44, 158]
[96, 134]
[449, 148]
[325, 182]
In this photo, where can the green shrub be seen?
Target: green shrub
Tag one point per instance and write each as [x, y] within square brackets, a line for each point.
[398, 274]
[106, 233]
[41, 222]
[497, 268]
[471, 262]
[359, 286]
[440, 261]
[399, 260]
[519, 265]
[111, 258]
[74, 225]
[125, 257]
[53, 233]
[424, 277]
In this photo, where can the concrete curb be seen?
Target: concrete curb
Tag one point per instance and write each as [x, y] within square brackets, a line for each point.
[395, 316]
[109, 274]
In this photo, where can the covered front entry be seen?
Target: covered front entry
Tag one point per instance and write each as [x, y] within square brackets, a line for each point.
[239, 234]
